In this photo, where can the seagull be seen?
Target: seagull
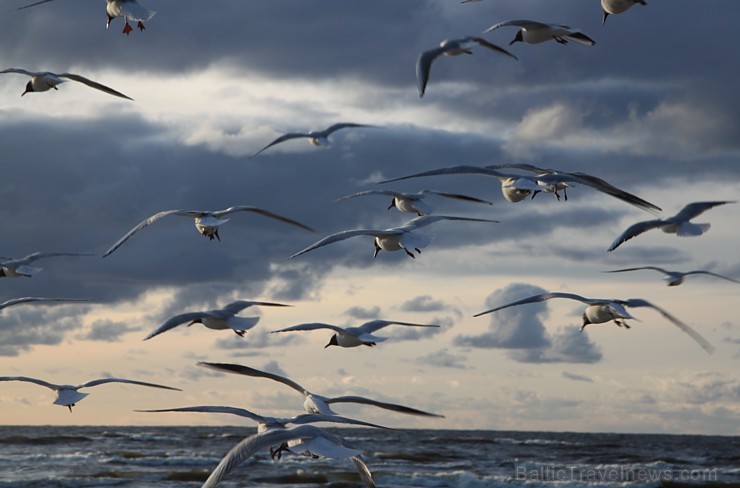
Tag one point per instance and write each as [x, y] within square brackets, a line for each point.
[413, 202]
[601, 310]
[617, 7]
[68, 396]
[449, 47]
[393, 239]
[219, 319]
[20, 267]
[533, 32]
[674, 278]
[678, 224]
[42, 81]
[267, 423]
[317, 138]
[19, 301]
[206, 221]
[516, 187]
[302, 438]
[127, 9]
[352, 336]
[314, 403]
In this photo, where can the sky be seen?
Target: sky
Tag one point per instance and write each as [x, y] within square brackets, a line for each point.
[652, 108]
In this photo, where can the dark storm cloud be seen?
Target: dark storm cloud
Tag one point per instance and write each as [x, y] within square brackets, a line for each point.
[520, 331]
[21, 330]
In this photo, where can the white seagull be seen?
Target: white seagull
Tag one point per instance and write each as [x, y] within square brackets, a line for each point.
[126, 9]
[602, 310]
[21, 267]
[533, 32]
[19, 301]
[674, 278]
[449, 47]
[218, 319]
[395, 238]
[206, 221]
[313, 402]
[301, 439]
[516, 187]
[317, 138]
[679, 224]
[352, 336]
[42, 81]
[413, 202]
[68, 396]
[617, 7]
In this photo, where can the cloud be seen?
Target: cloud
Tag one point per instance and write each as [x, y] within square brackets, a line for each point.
[520, 331]
[22, 330]
[443, 359]
[260, 339]
[107, 331]
[426, 303]
[406, 333]
[362, 313]
[576, 377]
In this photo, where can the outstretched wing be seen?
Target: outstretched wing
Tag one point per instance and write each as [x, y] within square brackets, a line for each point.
[176, 320]
[493, 47]
[261, 211]
[424, 66]
[457, 196]
[247, 371]
[654, 268]
[40, 255]
[374, 325]
[538, 298]
[283, 138]
[33, 4]
[145, 223]
[452, 170]
[234, 308]
[30, 380]
[211, 409]
[103, 381]
[389, 193]
[524, 24]
[388, 406]
[425, 220]
[365, 474]
[635, 230]
[18, 301]
[342, 125]
[94, 84]
[340, 236]
[697, 208]
[698, 271]
[605, 187]
[310, 326]
[639, 302]
[21, 71]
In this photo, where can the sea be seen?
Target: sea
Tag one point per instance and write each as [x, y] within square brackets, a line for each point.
[165, 457]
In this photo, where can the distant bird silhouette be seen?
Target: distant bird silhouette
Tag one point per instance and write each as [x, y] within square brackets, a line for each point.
[352, 336]
[317, 138]
[674, 278]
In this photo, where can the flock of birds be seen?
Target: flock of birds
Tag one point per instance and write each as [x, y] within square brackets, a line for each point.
[518, 182]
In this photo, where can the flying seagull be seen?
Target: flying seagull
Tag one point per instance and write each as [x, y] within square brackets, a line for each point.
[352, 336]
[515, 187]
[674, 278]
[206, 221]
[533, 32]
[679, 224]
[301, 439]
[68, 396]
[21, 267]
[266, 423]
[617, 7]
[42, 81]
[219, 319]
[313, 402]
[413, 202]
[317, 138]
[449, 47]
[19, 301]
[393, 239]
[602, 310]
[126, 9]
